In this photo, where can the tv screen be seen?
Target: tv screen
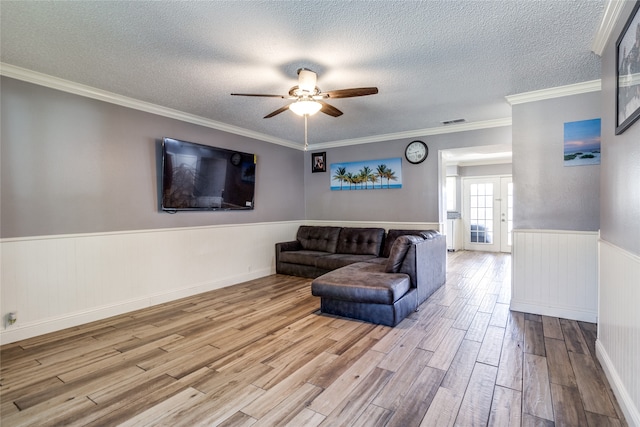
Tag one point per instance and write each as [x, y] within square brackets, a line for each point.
[201, 177]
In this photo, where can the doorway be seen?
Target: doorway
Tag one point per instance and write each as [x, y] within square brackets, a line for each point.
[488, 213]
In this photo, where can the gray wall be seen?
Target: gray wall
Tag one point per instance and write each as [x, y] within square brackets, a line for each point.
[548, 195]
[76, 165]
[620, 184]
[416, 201]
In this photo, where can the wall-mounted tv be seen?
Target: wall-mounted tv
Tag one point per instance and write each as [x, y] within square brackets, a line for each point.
[201, 177]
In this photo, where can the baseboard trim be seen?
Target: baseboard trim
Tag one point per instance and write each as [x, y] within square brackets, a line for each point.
[55, 324]
[631, 412]
[547, 310]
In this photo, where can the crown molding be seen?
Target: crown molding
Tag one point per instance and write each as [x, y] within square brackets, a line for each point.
[555, 92]
[41, 79]
[34, 77]
[611, 15]
[463, 127]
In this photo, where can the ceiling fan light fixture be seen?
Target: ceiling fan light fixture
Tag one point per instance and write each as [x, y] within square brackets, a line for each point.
[307, 81]
[305, 107]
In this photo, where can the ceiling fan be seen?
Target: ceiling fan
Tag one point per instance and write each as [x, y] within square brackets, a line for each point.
[309, 99]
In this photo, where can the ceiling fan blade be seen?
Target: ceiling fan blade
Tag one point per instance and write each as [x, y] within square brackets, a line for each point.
[278, 111]
[330, 109]
[350, 93]
[258, 94]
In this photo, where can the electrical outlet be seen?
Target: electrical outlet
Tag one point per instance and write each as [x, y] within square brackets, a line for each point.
[12, 318]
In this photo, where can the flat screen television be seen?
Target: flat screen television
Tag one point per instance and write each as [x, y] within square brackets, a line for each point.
[201, 177]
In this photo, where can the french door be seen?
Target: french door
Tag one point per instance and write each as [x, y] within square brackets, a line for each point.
[488, 213]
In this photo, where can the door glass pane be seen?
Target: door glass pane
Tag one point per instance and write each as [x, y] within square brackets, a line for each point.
[481, 198]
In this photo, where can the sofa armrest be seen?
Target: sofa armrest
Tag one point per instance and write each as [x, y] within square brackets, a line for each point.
[293, 245]
[426, 263]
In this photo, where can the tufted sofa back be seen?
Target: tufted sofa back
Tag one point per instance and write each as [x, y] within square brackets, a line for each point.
[360, 241]
[323, 239]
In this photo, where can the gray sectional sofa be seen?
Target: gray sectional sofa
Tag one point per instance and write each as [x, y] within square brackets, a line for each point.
[366, 273]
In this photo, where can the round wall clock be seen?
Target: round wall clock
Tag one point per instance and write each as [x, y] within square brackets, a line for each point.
[416, 152]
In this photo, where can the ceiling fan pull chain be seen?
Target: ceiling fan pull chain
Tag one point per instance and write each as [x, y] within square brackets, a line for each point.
[306, 144]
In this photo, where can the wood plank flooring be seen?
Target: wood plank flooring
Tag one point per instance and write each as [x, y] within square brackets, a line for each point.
[260, 354]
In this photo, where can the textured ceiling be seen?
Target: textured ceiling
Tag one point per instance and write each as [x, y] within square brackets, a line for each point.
[432, 60]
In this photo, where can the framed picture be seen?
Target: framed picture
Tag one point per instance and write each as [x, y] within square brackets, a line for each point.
[628, 73]
[379, 174]
[582, 142]
[319, 162]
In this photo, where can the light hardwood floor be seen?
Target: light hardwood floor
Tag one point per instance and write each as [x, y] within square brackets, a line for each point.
[259, 353]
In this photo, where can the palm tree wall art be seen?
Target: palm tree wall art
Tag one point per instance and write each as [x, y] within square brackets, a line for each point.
[367, 175]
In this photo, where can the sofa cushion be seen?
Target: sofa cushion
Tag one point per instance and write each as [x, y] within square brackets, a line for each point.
[399, 251]
[322, 239]
[334, 261]
[393, 234]
[360, 241]
[365, 285]
[302, 257]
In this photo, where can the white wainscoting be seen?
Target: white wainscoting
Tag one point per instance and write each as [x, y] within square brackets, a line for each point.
[56, 282]
[555, 273]
[618, 344]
